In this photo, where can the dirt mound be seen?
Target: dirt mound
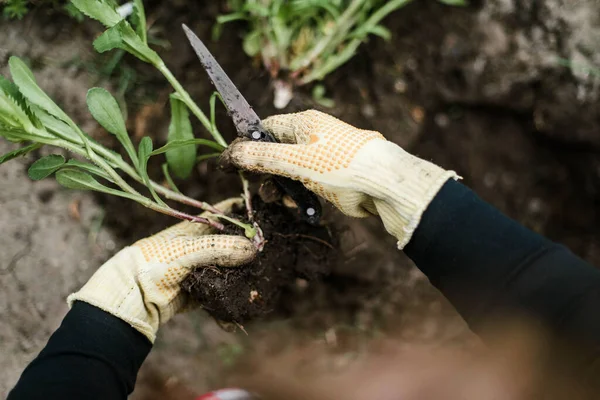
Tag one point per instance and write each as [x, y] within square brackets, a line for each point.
[294, 251]
[538, 58]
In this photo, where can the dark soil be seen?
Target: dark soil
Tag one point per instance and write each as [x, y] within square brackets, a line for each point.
[476, 89]
[505, 93]
[294, 251]
[421, 91]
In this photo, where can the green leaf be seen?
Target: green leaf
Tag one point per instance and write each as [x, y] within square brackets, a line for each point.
[98, 10]
[217, 30]
[318, 92]
[12, 115]
[318, 95]
[181, 159]
[105, 109]
[213, 108]
[144, 152]
[73, 12]
[122, 36]
[252, 43]
[379, 30]
[80, 180]
[12, 91]
[281, 32]
[109, 40]
[57, 126]
[257, 9]
[139, 20]
[459, 3]
[223, 19]
[45, 166]
[15, 9]
[303, 7]
[91, 168]
[165, 170]
[14, 135]
[19, 152]
[74, 179]
[178, 144]
[24, 79]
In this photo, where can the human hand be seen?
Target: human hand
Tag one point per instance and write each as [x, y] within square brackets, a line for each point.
[359, 171]
[141, 283]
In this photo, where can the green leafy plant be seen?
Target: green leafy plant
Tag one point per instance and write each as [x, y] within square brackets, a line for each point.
[17, 9]
[30, 117]
[301, 41]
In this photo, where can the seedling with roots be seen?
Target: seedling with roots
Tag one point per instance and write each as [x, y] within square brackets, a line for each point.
[302, 41]
[30, 117]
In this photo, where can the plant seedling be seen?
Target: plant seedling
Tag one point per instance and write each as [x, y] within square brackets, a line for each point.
[29, 116]
[301, 41]
[17, 9]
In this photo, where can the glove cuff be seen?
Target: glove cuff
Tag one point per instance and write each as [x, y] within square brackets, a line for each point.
[401, 218]
[115, 288]
[402, 186]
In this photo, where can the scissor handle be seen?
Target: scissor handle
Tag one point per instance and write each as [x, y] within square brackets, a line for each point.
[309, 207]
[260, 134]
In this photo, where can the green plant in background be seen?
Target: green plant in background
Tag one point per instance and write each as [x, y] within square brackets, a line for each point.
[301, 41]
[17, 9]
[30, 117]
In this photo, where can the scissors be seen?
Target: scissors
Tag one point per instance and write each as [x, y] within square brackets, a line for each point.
[248, 124]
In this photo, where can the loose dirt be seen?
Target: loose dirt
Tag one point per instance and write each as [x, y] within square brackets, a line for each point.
[295, 252]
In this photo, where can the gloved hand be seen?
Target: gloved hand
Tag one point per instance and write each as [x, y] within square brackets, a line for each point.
[359, 171]
[140, 284]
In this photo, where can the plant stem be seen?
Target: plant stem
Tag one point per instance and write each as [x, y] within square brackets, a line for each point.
[259, 237]
[146, 202]
[136, 196]
[249, 231]
[337, 36]
[342, 25]
[165, 169]
[181, 215]
[183, 199]
[191, 104]
[113, 174]
[385, 10]
[247, 197]
[167, 193]
[103, 161]
[99, 161]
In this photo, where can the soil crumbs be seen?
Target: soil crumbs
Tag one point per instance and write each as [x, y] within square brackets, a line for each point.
[294, 252]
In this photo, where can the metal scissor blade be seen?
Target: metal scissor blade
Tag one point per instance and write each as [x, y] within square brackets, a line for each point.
[240, 111]
[248, 124]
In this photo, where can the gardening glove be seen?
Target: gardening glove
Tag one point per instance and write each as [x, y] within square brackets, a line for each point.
[141, 283]
[359, 171]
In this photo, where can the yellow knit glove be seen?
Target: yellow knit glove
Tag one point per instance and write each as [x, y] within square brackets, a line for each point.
[140, 284]
[359, 171]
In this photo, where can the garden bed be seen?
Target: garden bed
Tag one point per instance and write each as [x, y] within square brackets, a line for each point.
[421, 91]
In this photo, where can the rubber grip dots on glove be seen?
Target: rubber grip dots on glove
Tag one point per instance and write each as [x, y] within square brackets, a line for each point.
[164, 249]
[331, 145]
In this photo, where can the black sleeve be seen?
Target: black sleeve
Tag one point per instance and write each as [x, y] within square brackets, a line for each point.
[487, 264]
[93, 355]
